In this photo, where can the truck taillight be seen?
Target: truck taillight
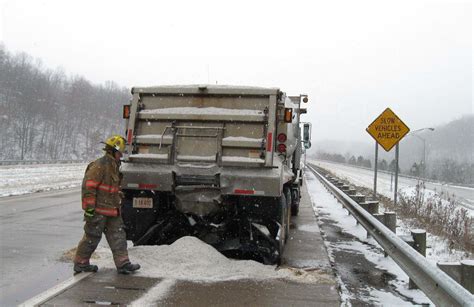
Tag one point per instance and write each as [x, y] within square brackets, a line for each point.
[281, 138]
[126, 111]
[288, 115]
[282, 148]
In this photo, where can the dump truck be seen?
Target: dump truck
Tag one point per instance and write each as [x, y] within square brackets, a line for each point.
[221, 163]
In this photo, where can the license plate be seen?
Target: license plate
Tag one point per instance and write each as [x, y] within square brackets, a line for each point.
[142, 202]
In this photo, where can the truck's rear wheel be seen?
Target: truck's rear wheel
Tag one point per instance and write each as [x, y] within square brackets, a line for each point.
[295, 202]
[289, 200]
[282, 235]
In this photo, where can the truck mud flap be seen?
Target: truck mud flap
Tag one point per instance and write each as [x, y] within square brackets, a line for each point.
[259, 246]
[167, 229]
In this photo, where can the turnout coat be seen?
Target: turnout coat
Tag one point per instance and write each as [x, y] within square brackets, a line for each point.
[101, 186]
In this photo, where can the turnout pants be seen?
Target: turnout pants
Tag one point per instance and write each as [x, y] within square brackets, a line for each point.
[112, 227]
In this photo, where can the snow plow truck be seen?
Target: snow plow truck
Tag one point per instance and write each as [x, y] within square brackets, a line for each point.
[221, 163]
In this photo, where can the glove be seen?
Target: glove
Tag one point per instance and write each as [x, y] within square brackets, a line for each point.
[89, 212]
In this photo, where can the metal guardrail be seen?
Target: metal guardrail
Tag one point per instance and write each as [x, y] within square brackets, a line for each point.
[29, 162]
[436, 284]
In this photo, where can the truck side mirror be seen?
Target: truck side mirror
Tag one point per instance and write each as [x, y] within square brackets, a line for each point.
[307, 135]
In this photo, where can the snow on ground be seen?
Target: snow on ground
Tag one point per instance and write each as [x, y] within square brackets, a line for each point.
[385, 185]
[437, 249]
[24, 179]
[327, 204]
[191, 259]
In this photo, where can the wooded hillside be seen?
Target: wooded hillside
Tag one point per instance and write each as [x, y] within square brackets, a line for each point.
[45, 114]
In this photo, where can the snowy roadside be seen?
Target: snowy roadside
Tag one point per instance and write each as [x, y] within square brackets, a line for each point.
[365, 178]
[25, 179]
[325, 204]
[438, 249]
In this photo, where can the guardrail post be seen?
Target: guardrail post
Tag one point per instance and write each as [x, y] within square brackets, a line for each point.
[390, 220]
[351, 192]
[462, 272]
[453, 269]
[379, 217]
[358, 198]
[467, 274]
[419, 244]
[419, 236]
[372, 206]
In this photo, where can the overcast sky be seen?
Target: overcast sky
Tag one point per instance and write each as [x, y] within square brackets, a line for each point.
[353, 58]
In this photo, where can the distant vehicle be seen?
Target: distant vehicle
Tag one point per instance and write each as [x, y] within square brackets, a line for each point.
[221, 163]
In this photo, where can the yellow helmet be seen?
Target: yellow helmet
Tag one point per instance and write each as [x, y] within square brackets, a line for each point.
[117, 142]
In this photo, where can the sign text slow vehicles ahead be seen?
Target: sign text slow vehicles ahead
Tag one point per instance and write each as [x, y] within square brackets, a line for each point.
[387, 129]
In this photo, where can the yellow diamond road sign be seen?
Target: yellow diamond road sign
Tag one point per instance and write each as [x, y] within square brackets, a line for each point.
[387, 129]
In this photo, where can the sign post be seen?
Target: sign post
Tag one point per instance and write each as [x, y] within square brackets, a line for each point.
[375, 168]
[387, 130]
[395, 196]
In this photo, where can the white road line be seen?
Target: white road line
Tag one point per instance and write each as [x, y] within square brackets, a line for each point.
[46, 295]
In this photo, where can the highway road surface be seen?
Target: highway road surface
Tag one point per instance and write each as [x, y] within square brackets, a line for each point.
[35, 230]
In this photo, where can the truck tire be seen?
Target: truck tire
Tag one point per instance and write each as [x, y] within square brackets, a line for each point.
[295, 204]
[289, 200]
[283, 222]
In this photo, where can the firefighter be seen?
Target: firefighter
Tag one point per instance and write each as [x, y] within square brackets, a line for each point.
[101, 201]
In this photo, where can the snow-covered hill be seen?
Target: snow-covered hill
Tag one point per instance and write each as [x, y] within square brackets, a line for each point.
[24, 179]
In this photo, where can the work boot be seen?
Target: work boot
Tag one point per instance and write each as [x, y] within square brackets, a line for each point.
[128, 268]
[83, 267]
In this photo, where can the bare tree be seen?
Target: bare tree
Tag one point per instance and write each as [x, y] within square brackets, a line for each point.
[45, 114]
